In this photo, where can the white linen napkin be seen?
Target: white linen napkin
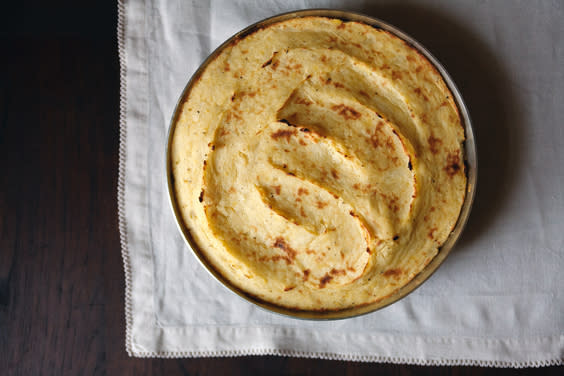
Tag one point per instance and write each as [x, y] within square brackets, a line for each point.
[497, 300]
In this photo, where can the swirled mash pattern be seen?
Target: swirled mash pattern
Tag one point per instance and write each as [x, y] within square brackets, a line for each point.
[318, 164]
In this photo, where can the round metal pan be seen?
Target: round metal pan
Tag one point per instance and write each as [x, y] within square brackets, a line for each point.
[469, 155]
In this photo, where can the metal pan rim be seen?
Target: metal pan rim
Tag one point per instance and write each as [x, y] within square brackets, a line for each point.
[469, 154]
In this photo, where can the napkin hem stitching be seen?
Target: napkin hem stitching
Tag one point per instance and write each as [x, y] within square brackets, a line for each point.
[354, 357]
[122, 223]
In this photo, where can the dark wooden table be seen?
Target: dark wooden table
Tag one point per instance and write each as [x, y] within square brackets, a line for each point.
[61, 275]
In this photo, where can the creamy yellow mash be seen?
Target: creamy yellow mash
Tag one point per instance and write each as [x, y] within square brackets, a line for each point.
[318, 163]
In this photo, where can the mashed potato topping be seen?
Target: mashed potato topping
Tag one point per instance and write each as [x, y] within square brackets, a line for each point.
[318, 163]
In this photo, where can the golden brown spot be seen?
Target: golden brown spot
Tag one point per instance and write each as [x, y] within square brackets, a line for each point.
[392, 272]
[302, 142]
[378, 134]
[325, 280]
[434, 144]
[334, 174]
[338, 271]
[283, 133]
[226, 67]
[201, 198]
[281, 244]
[232, 190]
[393, 203]
[342, 255]
[364, 93]
[368, 251]
[356, 186]
[324, 58]
[302, 213]
[277, 189]
[390, 144]
[306, 274]
[338, 85]
[346, 111]
[431, 233]
[419, 69]
[321, 204]
[304, 101]
[302, 191]
[231, 115]
[453, 164]
[420, 93]
[396, 75]
[341, 26]
[410, 58]
[289, 288]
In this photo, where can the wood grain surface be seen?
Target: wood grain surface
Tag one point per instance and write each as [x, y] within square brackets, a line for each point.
[61, 275]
